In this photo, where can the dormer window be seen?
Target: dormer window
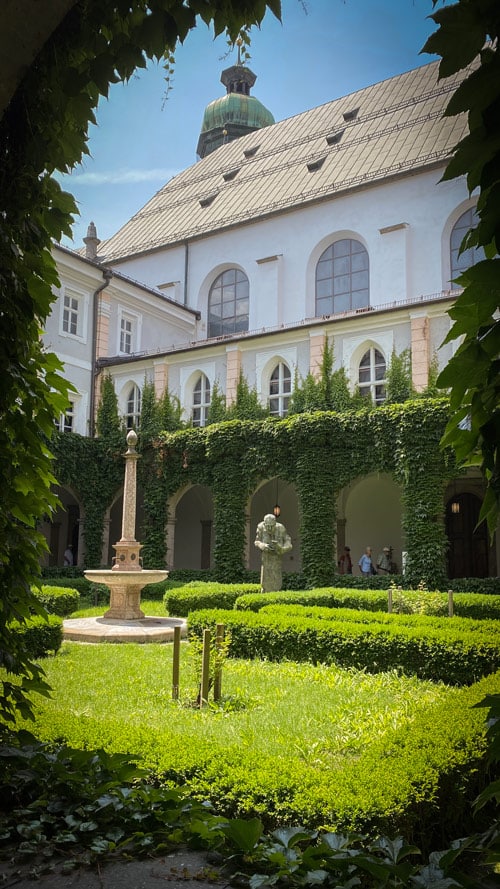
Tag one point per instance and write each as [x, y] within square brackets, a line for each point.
[230, 174]
[334, 138]
[249, 152]
[208, 199]
[316, 164]
[351, 115]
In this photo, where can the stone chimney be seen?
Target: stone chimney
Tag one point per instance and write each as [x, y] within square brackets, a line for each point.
[91, 242]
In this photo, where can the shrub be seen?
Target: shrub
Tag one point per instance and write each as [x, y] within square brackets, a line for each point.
[472, 605]
[154, 591]
[450, 656]
[193, 596]
[95, 592]
[402, 619]
[40, 636]
[58, 600]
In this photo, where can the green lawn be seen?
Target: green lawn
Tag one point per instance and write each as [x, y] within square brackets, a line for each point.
[291, 742]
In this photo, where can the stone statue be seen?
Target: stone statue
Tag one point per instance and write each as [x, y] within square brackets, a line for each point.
[272, 539]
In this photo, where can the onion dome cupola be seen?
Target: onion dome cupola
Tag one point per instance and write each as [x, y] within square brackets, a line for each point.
[235, 114]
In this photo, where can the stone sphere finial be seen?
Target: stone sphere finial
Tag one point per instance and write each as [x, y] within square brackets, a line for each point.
[131, 439]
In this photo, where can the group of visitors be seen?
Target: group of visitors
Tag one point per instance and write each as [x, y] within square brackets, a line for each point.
[383, 565]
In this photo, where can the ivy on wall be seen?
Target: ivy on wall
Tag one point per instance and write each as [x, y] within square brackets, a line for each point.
[320, 453]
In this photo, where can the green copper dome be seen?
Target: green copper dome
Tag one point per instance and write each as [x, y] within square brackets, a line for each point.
[235, 114]
[234, 108]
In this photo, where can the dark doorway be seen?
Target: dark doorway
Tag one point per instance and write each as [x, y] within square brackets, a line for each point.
[468, 545]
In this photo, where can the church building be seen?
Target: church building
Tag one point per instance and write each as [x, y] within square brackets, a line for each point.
[333, 226]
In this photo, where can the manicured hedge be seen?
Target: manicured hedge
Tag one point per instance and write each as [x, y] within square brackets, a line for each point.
[472, 605]
[416, 779]
[40, 636]
[450, 656]
[95, 592]
[58, 600]
[180, 601]
[422, 621]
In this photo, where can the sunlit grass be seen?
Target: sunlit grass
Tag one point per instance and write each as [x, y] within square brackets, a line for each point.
[120, 697]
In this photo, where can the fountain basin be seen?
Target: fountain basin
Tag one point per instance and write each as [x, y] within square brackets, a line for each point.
[125, 590]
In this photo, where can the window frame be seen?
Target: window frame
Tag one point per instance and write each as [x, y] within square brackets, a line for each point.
[472, 254]
[133, 406]
[324, 303]
[368, 388]
[65, 423]
[126, 315]
[81, 311]
[283, 389]
[201, 407]
[232, 278]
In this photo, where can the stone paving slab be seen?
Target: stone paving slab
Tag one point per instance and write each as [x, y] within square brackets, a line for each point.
[180, 870]
[100, 629]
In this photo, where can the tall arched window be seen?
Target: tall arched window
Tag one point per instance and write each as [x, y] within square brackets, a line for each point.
[228, 302]
[133, 408]
[342, 282]
[460, 263]
[280, 388]
[201, 401]
[371, 375]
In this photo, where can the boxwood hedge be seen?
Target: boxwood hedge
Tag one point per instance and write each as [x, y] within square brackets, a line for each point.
[424, 621]
[450, 656]
[471, 605]
[180, 601]
[40, 637]
[58, 600]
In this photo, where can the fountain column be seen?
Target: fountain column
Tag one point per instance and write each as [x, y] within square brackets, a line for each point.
[127, 577]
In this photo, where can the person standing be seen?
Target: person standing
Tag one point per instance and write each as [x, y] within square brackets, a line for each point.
[384, 561]
[345, 561]
[68, 555]
[365, 563]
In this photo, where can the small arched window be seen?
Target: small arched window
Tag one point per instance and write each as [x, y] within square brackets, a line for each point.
[280, 388]
[228, 303]
[201, 401]
[371, 375]
[342, 282]
[460, 262]
[133, 408]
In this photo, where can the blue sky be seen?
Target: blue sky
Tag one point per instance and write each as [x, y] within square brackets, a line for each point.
[322, 50]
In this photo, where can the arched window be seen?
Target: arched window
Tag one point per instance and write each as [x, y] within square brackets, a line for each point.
[460, 263]
[371, 375]
[342, 282]
[280, 387]
[201, 401]
[228, 302]
[133, 408]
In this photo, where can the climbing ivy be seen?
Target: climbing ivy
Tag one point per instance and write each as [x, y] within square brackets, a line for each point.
[398, 385]
[468, 32]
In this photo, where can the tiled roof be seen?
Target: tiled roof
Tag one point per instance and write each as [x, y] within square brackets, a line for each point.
[388, 129]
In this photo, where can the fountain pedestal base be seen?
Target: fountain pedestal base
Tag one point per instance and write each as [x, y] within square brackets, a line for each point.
[124, 602]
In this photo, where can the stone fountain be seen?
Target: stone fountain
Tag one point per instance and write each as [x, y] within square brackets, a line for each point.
[127, 577]
[124, 621]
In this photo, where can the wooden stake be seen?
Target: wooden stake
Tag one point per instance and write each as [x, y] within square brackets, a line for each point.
[176, 657]
[450, 603]
[205, 669]
[219, 640]
[389, 601]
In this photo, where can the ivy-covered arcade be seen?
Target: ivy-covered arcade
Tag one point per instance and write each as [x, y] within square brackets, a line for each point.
[316, 454]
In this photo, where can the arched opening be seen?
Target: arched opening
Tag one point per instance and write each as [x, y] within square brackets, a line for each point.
[194, 539]
[63, 531]
[468, 551]
[371, 517]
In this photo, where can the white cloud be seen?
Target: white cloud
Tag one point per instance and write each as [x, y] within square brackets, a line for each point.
[120, 177]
